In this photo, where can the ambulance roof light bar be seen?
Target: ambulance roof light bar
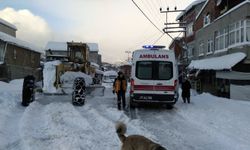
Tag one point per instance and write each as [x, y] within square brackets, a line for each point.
[153, 47]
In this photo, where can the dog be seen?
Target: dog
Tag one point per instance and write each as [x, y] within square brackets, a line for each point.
[135, 142]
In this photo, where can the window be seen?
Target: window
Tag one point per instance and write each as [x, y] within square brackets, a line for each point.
[207, 19]
[221, 39]
[14, 54]
[236, 32]
[210, 45]
[144, 70]
[201, 48]
[190, 29]
[154, 70]
[248, 30]
[165, 70]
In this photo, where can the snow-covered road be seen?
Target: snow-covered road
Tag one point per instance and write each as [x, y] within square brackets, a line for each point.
[51, 122]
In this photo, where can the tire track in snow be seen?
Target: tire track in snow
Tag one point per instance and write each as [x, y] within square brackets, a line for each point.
[56, 126]
[103, 113]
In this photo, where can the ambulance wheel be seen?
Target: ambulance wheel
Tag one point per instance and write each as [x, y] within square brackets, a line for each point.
[169, 106]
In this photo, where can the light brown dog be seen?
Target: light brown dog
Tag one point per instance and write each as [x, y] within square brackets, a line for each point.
[135, 142]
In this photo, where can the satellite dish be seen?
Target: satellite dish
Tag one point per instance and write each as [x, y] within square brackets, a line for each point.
[218, 2]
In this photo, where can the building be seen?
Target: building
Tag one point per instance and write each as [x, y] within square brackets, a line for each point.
[17, 58]
[94, 57]
[222, 48]
[184, 46]
[56, 51]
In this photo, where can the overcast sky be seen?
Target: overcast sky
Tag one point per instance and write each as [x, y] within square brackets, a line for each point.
[116, 25]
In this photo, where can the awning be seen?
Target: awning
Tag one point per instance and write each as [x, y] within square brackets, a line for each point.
[218, 63]
[232, 75]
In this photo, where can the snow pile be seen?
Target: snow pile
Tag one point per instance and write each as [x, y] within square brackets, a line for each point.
[109, 76]
[49, 76]
[110, 73]
[69, 77]
[217, 63]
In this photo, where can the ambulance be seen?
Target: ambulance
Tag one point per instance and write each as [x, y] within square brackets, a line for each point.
[154, 76]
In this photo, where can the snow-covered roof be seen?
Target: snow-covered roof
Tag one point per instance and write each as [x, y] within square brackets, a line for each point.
[218, 63]
[15, 41]
[8, 24]
[190, 6]
[61, 46]
[93, 47]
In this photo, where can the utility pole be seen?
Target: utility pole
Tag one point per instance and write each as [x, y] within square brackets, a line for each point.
[128, 52]
[173, 27]
[176, 27]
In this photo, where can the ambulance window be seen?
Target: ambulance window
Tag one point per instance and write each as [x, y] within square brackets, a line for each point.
[144, 70]
[165, 71]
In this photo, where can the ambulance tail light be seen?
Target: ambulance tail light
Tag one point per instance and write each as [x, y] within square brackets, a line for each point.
[132, 85]
[175, 84]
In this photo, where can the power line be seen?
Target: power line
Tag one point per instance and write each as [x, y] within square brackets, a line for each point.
[150, 10]
[151, 20]
[146, 16]
[154, 3]
[159, 38]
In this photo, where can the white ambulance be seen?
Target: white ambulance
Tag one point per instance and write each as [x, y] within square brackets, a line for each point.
[154, 76]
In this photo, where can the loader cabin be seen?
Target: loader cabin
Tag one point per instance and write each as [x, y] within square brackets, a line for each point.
[154, 76]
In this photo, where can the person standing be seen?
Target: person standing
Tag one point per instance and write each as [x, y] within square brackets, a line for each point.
[120, 87]
[186, 86]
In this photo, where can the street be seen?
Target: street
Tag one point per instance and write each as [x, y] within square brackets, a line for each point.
[53, 122]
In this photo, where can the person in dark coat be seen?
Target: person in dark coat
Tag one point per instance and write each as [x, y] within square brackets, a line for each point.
[120, 87]
[186, 86]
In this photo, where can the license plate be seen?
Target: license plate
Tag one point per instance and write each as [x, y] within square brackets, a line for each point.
[146, 97]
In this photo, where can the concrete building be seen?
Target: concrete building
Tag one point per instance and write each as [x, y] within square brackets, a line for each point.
[222, 35]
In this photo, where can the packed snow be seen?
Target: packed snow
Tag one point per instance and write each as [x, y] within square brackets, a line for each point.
[218, 63]
[49, 76]
[52, 122]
